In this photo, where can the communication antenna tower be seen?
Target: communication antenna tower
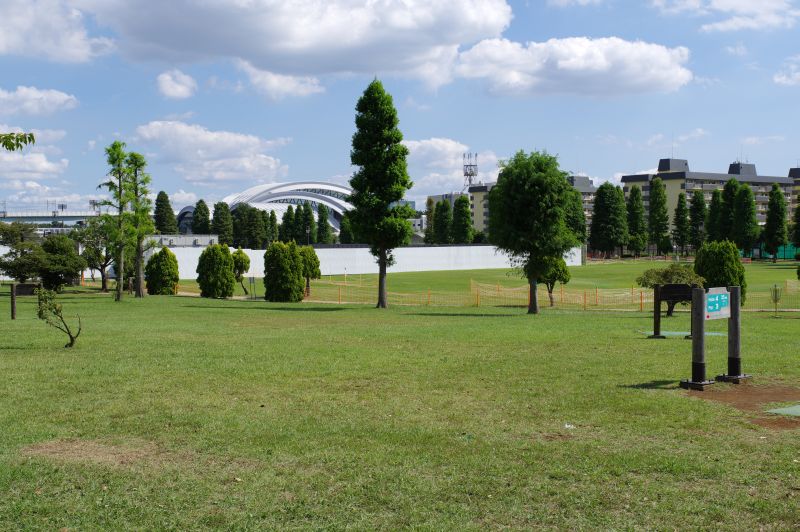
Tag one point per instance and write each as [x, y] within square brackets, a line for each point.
[470, 169]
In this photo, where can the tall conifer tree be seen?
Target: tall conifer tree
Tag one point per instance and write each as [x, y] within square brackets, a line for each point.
[166, 224]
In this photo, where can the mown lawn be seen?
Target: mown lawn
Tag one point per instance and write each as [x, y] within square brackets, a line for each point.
[184, 413]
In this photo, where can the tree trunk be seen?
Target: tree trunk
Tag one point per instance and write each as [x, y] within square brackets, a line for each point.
[308, 286]
[550, 295]
[120, 271]
[671, 308]
[382, 303]
[533, 304]
[140, 267]
[241, 282]
[103, 279]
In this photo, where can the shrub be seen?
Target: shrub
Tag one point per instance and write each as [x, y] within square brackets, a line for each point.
[718, 263]
[310, 266]
[283, 273]
[556, 273]
[161, 273]
[672, 274]
[51, 312]
[241, 263]
[215, 272]
[62, 264]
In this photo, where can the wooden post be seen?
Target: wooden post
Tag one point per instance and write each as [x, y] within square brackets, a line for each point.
[698, 381]
[429, 297]
[641, 301]
[562, 293]
[734, 374]
[584, 300]
[13, 301]
[657, 313]
[340, 294]
[596, 296]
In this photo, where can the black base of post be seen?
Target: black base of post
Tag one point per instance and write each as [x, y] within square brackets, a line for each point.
[694, 385]
[734, 379]
[657, 336]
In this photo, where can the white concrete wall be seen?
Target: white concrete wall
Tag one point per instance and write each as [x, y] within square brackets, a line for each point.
[335, 261]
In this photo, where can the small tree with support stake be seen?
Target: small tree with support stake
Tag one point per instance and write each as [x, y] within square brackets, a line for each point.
[52, 313]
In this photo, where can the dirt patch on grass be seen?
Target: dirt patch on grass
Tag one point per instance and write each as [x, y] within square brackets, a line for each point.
[753, 399]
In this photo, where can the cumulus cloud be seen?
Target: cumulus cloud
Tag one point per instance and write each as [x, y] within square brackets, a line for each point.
[306, 37]
[205, 156]
[736, 15]
[176, 85]
[769, 139]
[33, 101]
[279, 86]
[436, 166]
[51, 29]
[790, 73]
[182, 198]
[30, 166]
[578, 65]
[567, 3]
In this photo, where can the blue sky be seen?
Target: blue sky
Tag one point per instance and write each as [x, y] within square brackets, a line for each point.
[221, 95]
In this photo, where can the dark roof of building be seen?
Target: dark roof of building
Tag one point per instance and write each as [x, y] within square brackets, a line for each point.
[673, 165]
[582, 183]
[794, 173]
[743, 172]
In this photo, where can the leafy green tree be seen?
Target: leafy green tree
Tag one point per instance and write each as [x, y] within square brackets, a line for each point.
[681, 227]
[672, 274]
[324, 232]
[283, 273]
[727, 214]
[165, 220]
[745, 230]
[556, 273]
[346, 235]
[24, 260]
[141, 220]
[380, 181]
[119, 191]
[697, 219]
[162, 274]
[287, 225]
[718, 263]
[62, 263]
[215, 272]
[776, 233]
[273, 233]
[609, 220]
[575, 217]
[532, 184]
[637, 227]
[658, 219]
[16, 141]
[241, 264]
[222, 224]
[430, 209]
[254, 228]
[308, 231]
[442, 222]
[479, 237]
[310, 262]
[53, 314]
[201, 219]
[96, 239]
[714, 220]
[796, 231]
[461, 227]
[16, 232]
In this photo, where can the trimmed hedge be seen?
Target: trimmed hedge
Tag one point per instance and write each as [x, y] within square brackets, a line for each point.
[161, 273]
[283, 273]
[215, 272]
[719, 264]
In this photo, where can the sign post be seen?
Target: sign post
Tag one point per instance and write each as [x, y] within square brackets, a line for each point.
[656, 313]
[698, 381]
[13, 301]
[734, 374]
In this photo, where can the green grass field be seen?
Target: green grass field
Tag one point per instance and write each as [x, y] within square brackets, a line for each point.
[185, 413]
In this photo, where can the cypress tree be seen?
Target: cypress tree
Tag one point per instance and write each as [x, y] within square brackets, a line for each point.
[286, 231]
[713, 227]
[574, 216]
[658, 218]
[346, 235]
[745, 225]
[461, 228]
[430, 209]
[697, 218]
[610, 219]
[727, 216]
[776, 233]
[324, 233]
[637, 227]
[222, 224]
[299, 230]
[201, 219]
[165, 220]
[254, 228]
[681, 228]
[442, 222]
[274, 229]
[796, 232]
[309, 235]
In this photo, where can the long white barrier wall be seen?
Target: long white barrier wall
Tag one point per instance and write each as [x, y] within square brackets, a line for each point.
[335, 261]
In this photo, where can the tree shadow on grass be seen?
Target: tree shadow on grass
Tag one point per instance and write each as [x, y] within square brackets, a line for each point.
[465, 315]
[652, 385]
[278, 309]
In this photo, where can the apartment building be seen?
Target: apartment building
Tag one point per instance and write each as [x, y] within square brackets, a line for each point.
[586, 187]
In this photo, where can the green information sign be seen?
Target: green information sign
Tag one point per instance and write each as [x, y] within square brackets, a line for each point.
[718, 304]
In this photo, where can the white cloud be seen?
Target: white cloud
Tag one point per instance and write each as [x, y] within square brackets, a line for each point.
[790, 73]
[30, 166]
[567, 3]
[278, 86]
[577, 65]
[35, 195]
[181, 198]
[205, 156]
[694, 134]
[33, 101]
[755, 141]
[436, 166]
[176, 85]
[736, 15]
[417, 38]
[50, 29]
[739, 50]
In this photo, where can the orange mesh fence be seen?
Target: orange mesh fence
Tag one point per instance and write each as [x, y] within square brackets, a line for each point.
[496, 295]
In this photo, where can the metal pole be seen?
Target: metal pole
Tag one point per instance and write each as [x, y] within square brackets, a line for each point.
[657, 314]
[13, 301]
[734, 374]
[698, 381]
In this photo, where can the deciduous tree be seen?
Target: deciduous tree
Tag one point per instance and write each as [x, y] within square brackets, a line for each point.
[575, 217]
[120, 197]
[745, 229]
[658, 218]
[442, 221]
[310, 262]
[557, 272]
[430, 209]
[775, 232]
[697, 219]
[637, 226]
[141, 220]
[681, 227]
[62, 263]
[241, 264]
[609, 220]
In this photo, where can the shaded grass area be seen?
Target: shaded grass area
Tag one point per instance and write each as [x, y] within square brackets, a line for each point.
[177, 412]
